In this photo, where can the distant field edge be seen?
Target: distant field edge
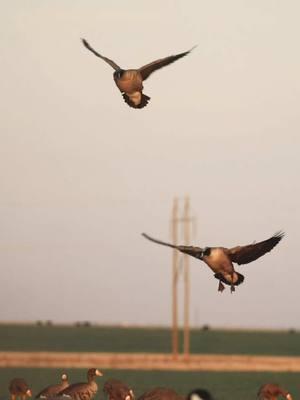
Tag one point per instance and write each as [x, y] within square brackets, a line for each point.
[150, 361]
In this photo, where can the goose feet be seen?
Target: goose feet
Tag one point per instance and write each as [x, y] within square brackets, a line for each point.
[221, 287]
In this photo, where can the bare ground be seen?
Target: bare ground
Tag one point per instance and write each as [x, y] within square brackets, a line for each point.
[150, 361]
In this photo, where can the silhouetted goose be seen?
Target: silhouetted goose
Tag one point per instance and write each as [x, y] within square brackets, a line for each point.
[53, 390]
[83, 391]
[220, 259]
[130, 81]
[271, 391]
[117, 390]
[18, 387]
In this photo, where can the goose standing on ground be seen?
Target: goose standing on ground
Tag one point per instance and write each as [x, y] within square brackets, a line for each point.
[271, 391]
[199, 394]
[130, 81]
[161, 393]
[117, 390]
[85, 390]
[18, 387]
[220, 259]
[53, 390]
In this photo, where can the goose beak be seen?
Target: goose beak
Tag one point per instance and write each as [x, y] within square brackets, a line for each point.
[98, 373]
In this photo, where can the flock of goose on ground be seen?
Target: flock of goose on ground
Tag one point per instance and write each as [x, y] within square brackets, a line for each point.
[118, 390]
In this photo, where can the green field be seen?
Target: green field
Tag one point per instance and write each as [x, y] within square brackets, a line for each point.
[224, 385]
[115, 339]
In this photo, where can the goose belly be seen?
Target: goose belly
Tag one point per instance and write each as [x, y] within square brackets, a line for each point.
[218, 261]
[130, 82]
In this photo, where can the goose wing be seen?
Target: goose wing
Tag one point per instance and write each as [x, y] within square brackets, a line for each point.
[190, 250]
[110, 62]
[147, 69]
[251, 252]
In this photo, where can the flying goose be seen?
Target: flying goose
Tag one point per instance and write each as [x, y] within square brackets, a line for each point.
[53, 390]
[271, 391]
[220, 259]
[130, 81]
[18, 387]
[83, 391]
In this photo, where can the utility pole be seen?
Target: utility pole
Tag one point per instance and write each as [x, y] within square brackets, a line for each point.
[186, 219]
[175, 280]
[186, 332]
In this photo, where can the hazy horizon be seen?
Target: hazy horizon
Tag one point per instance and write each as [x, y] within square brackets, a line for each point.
[82, 174]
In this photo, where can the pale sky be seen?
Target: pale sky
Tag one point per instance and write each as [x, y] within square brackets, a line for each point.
[82, 174]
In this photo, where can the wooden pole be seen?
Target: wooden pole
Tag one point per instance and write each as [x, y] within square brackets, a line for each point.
[186, 332]
[175, 280]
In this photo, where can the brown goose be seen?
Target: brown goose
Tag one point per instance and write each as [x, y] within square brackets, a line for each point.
[130, 81]
[53, 390]
[19, 388]
[83, 391]
[271, 391]
[117, 390]
[220, 259]
[161, 393]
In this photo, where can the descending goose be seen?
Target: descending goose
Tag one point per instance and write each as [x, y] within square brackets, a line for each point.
[117, 390]
[53, 390]
[271, 391]
[130, 81]
[220, 259]
[19, 388]
[83, 391]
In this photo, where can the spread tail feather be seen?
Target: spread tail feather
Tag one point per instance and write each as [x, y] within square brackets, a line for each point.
[144, 101]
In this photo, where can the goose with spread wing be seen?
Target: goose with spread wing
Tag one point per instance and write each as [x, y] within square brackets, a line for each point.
[130, 81]
[220, 259]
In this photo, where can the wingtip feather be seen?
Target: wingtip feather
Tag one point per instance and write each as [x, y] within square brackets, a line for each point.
[280, 234]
